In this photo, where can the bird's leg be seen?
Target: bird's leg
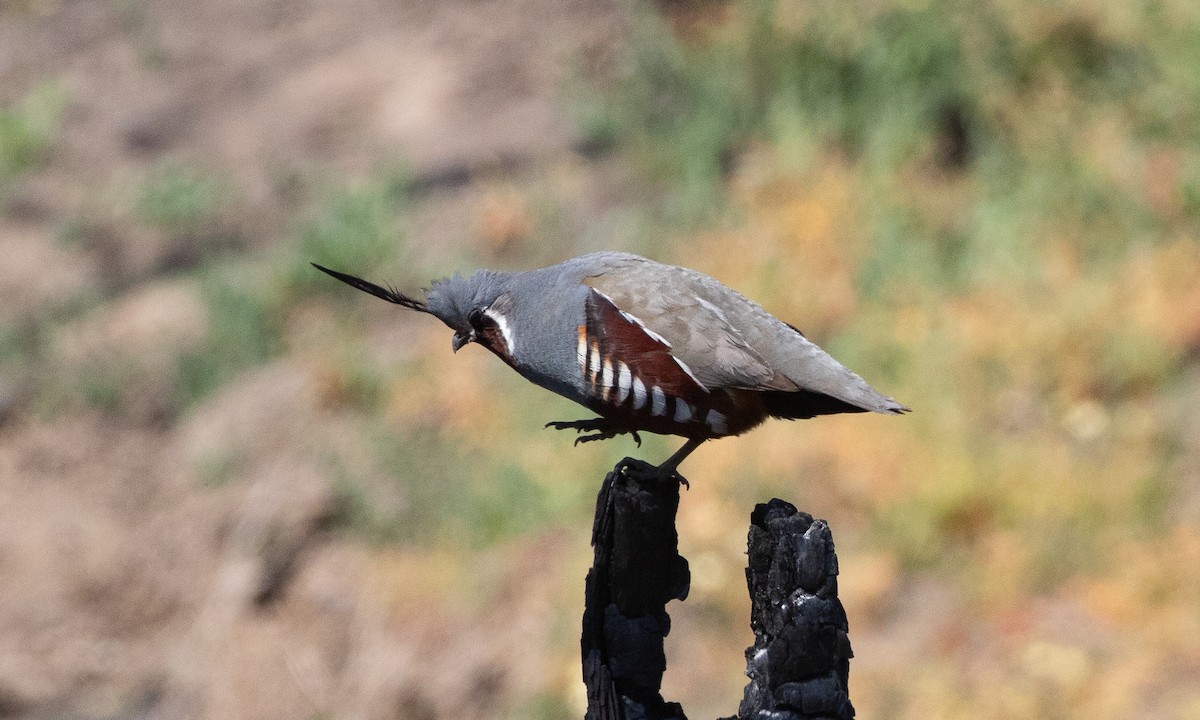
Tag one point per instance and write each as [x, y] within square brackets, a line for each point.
[601, 428]
[672, 463]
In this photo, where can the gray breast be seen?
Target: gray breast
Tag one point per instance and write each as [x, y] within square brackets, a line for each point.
[548, 309]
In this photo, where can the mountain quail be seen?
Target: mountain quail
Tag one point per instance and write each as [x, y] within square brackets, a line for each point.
[646, 346]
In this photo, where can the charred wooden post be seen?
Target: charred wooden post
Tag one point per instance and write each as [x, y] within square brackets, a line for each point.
[799, 663]
[637, 570]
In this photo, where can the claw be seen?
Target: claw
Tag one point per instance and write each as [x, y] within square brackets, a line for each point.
[606, 435]
[602, 429]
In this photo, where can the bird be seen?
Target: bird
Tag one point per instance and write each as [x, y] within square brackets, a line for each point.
[648, 347]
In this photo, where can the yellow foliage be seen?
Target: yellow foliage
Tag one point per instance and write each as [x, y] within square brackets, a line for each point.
[797, 255]
[1161, 291]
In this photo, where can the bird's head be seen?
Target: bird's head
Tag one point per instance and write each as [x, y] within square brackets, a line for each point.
[476, 308]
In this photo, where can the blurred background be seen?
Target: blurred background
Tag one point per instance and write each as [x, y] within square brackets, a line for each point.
[233, 488]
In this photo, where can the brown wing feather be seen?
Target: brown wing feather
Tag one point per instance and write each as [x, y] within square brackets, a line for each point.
[699, 334]
[636, 381]
[623, 338]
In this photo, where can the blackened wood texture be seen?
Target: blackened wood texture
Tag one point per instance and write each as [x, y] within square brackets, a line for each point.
[799, 664]
[637, 570]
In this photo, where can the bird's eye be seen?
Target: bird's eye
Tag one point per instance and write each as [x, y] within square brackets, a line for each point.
[475, 317]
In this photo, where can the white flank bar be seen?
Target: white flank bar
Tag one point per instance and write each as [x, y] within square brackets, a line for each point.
[606, 380]
[624, 382]
[716, 421]
[594, 362]
[639, 394]
[658, 401]
[582, 351]
[683, 411]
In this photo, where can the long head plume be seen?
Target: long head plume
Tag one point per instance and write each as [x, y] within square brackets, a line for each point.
[386, 293]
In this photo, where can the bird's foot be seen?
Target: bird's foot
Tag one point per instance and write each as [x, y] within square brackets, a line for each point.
[670, 468]
[600, 428]
[643, 471]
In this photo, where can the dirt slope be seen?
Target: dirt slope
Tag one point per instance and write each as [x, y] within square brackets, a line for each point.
[133, 586]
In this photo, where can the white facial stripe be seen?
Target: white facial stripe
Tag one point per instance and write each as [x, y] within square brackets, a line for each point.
[658, 401]
[505, 330]
[683, 411]
[624, 382]
[688, 370]
[639, 394]
[716, 421]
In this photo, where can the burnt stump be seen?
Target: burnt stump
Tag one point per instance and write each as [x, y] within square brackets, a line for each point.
[799, 663]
